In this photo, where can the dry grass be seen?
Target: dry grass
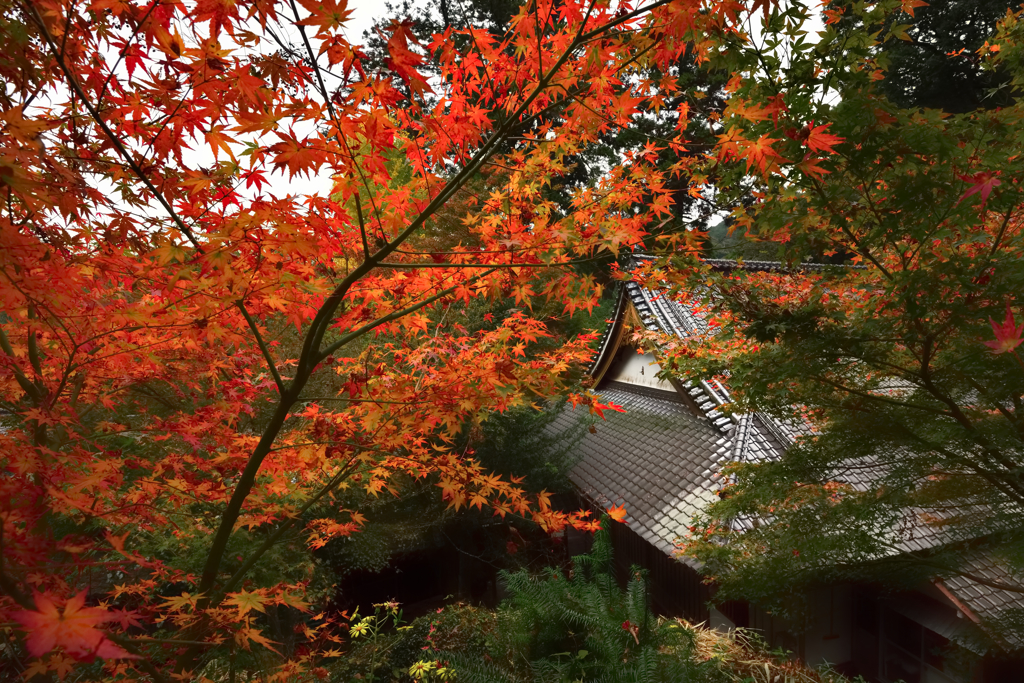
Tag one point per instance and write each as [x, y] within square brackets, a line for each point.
[746, 658]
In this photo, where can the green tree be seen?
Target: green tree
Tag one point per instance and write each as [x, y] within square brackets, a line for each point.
[935, 64]
[912, 424]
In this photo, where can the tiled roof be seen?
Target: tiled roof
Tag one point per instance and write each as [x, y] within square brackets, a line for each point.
[661, 313]
[657, 459]
[609, 330]
[987, 602]
[721, 264]
[919, 529]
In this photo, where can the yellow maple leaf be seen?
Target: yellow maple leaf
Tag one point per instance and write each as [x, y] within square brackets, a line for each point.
[246, 601]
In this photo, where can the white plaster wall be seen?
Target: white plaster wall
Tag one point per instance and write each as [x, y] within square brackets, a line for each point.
[640, 370]
[720, 622]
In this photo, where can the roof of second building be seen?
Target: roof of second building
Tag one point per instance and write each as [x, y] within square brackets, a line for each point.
[657, 459]
[989, 601]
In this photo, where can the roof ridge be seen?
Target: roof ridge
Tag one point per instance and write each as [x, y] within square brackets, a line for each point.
[757, 265]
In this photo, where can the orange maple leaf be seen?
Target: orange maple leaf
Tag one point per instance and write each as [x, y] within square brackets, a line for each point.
[74, 629]
[325, 15]
[296, 156]
[763, 155]
[765, 6]
[908, 6]
[598, 408]
[811, 167]
[618, 513]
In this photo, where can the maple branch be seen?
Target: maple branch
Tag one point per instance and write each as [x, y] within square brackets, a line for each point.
[967, 575]
[272, 540]
[247, 477]
[1002, 231]
[170, 641]
[863, 251]
[262, 345]
[362, 227]
[168, 119]
[103, 91]
[315, 64]
[396, 314]
[586, 17]
[319, 324]
[1008, 414]
[33, 348]
[991, 451]
[883, 399]
[314, 399]
[536, 30]
[992, 477]
[246, 480]
[309, 356]
[8, 586]
[240, 573]
[388, 264]
[114, 140]
[618, 20]
[143, 661]
[27, 386]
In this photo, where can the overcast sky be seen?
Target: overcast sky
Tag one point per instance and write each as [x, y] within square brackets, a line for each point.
[366, 12]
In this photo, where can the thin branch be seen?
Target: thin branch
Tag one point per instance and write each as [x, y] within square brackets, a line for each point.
[33, 348]
[396, 315]
[422, 264]
[114, 140]
[310, 355]
[314, 399]
[26, 385]
[362, 226]
[271, 540]
[882, 399]
[103, 90]
[263, 346]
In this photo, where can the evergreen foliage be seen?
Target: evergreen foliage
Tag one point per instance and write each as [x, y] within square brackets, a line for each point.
[935, 66]
[580, 626]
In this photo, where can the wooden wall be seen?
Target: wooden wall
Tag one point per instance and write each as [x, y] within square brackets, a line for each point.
[676, 589]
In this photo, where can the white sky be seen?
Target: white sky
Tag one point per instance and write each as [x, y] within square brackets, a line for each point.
[364, 14]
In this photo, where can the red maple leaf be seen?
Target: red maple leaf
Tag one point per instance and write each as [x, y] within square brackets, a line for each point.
[984, 183]
[296, 156]
[765, 6]
[403, 60]
[908, 6]
[74, 629]
[598, 408]
[761, 154]
[1008, 335]
[811, 167]
[325, 15]
[820, 140]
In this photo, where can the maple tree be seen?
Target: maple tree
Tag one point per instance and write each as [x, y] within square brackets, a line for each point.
[172, 311]
[885, 360]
